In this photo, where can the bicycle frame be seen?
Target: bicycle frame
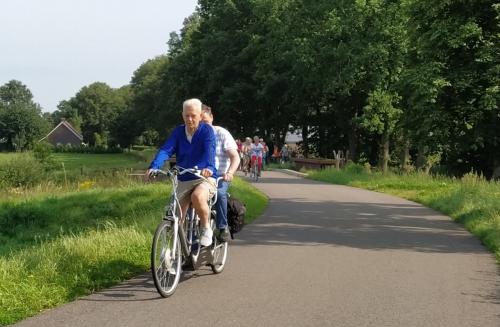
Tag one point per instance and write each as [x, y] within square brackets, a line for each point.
[254, 170]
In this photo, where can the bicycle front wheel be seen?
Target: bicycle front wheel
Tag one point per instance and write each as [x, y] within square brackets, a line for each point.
[166, 259]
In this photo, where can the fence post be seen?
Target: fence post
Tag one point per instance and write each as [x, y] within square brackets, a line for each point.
[337, 155]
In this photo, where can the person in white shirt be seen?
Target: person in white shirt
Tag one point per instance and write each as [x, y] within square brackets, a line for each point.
[256, 152]
[227, 161]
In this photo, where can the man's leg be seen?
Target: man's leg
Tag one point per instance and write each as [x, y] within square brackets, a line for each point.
[253, 162]
[221, 209]
[221, 205]
[184, 190]
[199, 201]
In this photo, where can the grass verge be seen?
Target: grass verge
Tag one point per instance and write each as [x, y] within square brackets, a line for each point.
[58, 247]
[471, 200]
[254, 200]
[98, 162]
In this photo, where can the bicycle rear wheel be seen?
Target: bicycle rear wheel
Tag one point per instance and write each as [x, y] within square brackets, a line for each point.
[256, 172]
[218, 251]
[166, 259]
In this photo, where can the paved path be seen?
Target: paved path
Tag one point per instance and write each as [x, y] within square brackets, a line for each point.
[321, 255]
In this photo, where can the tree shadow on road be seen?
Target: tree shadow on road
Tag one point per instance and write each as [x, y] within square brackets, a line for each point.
[141, 288]
[368, 226]
[374, 226]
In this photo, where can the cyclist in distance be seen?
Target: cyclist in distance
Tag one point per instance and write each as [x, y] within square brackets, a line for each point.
[227, 161]
[193, 143]
[245, 149]
[256, 152]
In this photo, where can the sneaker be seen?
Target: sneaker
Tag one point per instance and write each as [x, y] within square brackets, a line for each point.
[166, 258]
[187, 266]
[224, 235]
[206, 237]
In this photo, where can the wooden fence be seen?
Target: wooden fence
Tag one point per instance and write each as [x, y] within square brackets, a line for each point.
[314, 163]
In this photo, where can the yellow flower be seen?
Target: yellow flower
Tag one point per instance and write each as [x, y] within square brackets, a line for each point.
[85, 185]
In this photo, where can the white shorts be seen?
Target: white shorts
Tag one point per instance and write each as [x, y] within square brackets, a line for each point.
[186, 188]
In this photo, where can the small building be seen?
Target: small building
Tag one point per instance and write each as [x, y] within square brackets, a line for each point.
[64, 134]
[292, 139]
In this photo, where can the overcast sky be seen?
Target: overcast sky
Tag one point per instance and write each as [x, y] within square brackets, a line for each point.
[55, 47]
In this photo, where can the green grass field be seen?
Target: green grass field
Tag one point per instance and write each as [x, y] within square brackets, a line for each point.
[99, 162]
[471, 200]
[91, 162]
[4, 156]
[64, 238]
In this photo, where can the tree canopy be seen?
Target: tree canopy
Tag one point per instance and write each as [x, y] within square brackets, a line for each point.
[390, 82]
[21, 121]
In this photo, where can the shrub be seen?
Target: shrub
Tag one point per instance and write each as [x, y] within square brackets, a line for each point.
[86, 149]
[43, 153]
[22, 171]
[355, 168]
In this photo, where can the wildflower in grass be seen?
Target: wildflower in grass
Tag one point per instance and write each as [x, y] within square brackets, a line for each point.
[17, 190]
[85, 185]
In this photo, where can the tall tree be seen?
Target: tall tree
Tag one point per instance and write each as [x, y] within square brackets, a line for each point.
[381, 116]
[99, 106]
[21, 121]
[147, 105]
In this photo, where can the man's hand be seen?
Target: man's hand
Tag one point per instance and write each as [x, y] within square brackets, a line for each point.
[147, 175]
[234, 157]
[228, 177]
[206, 172]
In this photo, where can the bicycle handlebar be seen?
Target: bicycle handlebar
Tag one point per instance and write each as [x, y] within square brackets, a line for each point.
[177, 170]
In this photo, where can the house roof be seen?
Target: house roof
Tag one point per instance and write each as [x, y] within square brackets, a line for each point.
[67, 125]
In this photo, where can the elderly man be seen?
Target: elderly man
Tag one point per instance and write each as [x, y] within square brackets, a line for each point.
[194, 145]
[227, 161]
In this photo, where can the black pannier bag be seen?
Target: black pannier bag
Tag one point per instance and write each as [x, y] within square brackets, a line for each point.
[235, 215]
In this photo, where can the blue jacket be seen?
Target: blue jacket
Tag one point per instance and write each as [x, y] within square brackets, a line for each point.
[200, 152]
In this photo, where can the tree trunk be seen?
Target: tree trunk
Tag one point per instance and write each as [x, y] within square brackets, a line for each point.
[384, 155]
[321, 134]
[496, 173]
[305, 141]
[353, 143]
[421, 158]
[405, 155]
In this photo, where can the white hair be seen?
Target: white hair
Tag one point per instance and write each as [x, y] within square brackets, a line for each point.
[192, 103]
